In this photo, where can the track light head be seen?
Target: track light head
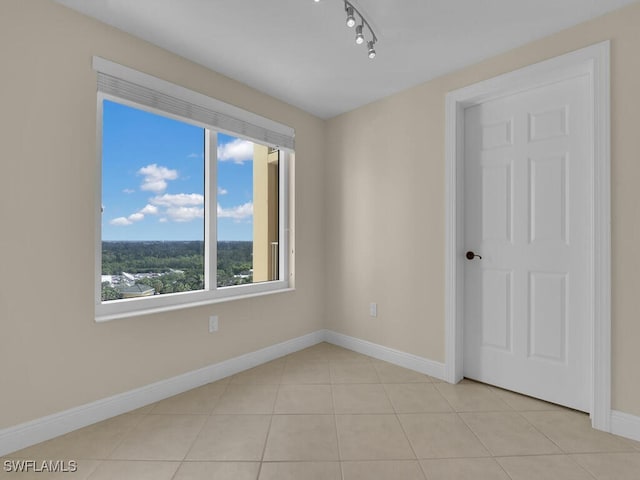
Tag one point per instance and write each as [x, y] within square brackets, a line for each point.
[351, 20]
[359, 35]
[372, 51]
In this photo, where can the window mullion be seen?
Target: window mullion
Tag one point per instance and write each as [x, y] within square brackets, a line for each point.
[283, 216]
[211, 209]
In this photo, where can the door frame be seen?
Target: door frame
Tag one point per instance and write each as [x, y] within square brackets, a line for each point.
[594, 62]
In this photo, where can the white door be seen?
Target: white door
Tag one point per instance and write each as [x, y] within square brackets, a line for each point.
[526, 214]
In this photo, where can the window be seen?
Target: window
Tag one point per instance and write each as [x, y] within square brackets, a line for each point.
[194, 197]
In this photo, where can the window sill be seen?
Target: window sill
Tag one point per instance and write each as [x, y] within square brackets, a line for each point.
[100, 318]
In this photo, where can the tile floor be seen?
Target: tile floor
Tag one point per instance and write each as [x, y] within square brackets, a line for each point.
[329, 413]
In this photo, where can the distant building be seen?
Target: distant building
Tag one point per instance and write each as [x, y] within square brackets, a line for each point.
[265, 213]
[137, 290]
[128, 276]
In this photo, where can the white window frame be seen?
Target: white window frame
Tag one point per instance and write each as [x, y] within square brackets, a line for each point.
[269, 132]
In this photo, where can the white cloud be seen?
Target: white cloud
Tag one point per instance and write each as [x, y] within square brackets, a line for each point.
[134, 217]
[184, 214]
[237, 213]
[128, 190]
[178, 200]
[222, 191]
[195, 155]
[120, 222]
[237, 151]
[182, 207]
[149, 210]
[155, 177]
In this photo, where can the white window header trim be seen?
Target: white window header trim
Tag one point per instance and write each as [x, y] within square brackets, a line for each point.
[145, 89]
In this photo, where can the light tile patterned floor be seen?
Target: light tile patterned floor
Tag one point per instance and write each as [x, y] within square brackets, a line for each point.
[327, 413]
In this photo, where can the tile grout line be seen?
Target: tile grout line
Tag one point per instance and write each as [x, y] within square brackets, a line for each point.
[197, 437]
[335, 418]
[273, 409]
[124, 435]
[204, 424]
[335, 423]
[209, 415]
[491, 455]
[457, 414]
[396, 414]
[541, 432]
[494, 456]
[453, 410]
[584, 469]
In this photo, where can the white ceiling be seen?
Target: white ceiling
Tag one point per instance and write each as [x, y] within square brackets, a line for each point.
[301, 51]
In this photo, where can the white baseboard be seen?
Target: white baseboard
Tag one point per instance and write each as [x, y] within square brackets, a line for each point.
[36, 431]
[625, 425]
[402, 359]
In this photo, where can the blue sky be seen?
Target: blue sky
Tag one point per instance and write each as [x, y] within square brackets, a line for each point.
[153, 179]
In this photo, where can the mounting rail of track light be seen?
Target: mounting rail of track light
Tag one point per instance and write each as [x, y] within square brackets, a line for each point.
[352, 11]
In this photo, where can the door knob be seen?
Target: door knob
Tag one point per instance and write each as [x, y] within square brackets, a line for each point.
[470, 255]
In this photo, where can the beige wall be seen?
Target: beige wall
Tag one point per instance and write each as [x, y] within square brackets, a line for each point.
[53, 356]
[385, 204]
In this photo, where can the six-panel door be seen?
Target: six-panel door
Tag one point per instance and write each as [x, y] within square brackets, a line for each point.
[526, 214]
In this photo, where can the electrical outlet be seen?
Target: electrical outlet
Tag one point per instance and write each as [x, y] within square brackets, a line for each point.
[373, 309]
[213, 323]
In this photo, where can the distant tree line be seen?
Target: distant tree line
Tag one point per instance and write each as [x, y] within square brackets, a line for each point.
[180, 263]
[150, 257]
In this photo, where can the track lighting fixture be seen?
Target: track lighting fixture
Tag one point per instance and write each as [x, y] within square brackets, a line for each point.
[351, 22]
